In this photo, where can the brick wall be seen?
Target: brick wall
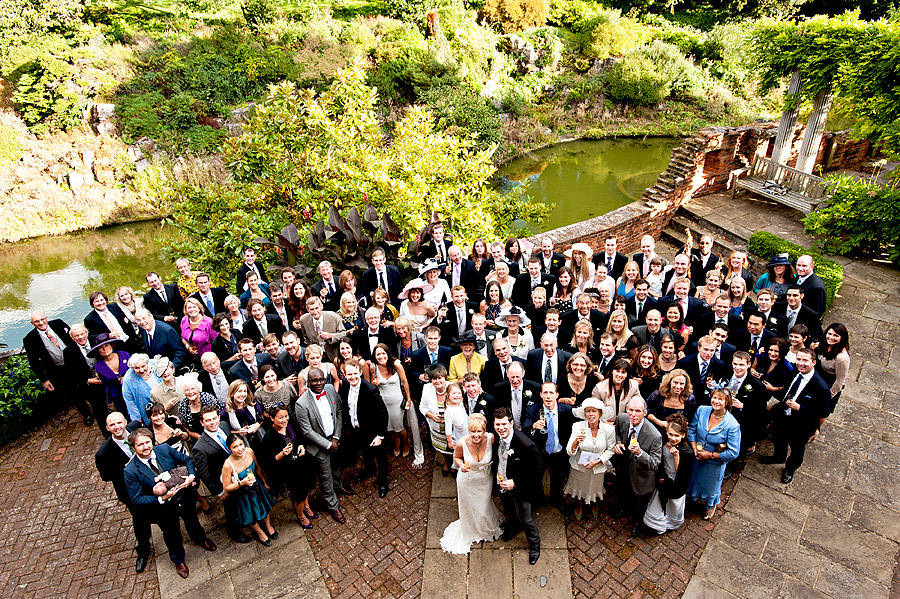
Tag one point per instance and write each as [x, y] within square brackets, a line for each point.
[701, 165]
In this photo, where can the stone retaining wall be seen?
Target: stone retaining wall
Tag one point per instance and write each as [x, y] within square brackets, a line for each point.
[703, 164]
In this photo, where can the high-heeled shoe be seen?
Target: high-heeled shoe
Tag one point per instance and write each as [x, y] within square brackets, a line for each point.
[307, 524]
[310, 514]
[266, 543]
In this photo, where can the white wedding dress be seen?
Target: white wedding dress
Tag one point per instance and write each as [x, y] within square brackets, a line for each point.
[479, 519]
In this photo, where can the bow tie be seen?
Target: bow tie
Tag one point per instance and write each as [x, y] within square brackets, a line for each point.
[320, 395]
[373, 334]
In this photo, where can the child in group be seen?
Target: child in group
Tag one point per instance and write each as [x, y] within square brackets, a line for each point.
[456, 421]
[797, 337]
[655, 278]
[665, 511]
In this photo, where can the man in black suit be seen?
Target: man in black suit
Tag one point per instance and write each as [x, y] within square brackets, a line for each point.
[475, 400]
[209, 455]
[551, 261]
[383, 275]
[495, 369]
[163, 301]
[691, 307]
[327, 288]
[703, 260]
[479, 327]
[247, 368]
[516, 393]
[614, 260]
[647, 253]
[249, 265]
[498, 255]
[456, 318]
[755, 337]
[214, 379]
[803, 405]
[641, 302]
[583, 311]
[551, 324]
[638, 452]
[89, 398]
[212, 299]
[527, 282]
[365, 425]
[797, 312]
[111, 459]
[652, 332]
[291, 359]
[109, 318]
[433, 353]
[460, 272]
[365, 340]
[749, 408]
[161, 505]
[547, 363]
[44, 346]
[725, 350]
[261, 324]
[607, 347]
[703, 368]
[278, 306]
[439, 247]
[813, 287]
[160, 339]
[549, 425]
[516, 463]
[765, 302]
[681, 268]
[720, 314]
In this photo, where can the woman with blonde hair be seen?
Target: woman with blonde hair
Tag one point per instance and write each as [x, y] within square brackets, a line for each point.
[580, 264]
[243, 413]
[130, 305]
[674, 396]
[314, 356]
[737, 265]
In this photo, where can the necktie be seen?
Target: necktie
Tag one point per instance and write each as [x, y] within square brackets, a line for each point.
[107, 320]
[440, 249]
[502, 371]
[460, 320]
[754, 344]
[52, 338]
[683, 307]
[150, 339]
[254, 371]
[609, 264]
[330, 288]
[631, 435]
[162, 294]
[792, 318]
[640, 308]
[548, 372]
[317, 327]
[381, 281]
[551, 433]
[221, 437]
[455, 275]
[433, 357]
[535, 283]
[262, 327]
[152, 463]
[209, 305]
[704, 367]
[733, 386]
[720, 321]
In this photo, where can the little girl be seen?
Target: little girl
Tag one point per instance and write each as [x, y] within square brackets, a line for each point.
[666, 508]
[455, 418]
[654, 279]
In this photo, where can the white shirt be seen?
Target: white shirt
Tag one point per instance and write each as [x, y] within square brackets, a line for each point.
[352, 401]
[220, 441]
[373, 339]
[324, 408]
[112, 323]
[123, 445]
[553, 366]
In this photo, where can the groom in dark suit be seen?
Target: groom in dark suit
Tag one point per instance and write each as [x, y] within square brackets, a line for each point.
[365, 426]
[517, 469]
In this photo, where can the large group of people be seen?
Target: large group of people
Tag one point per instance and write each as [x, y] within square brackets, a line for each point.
[603, 370]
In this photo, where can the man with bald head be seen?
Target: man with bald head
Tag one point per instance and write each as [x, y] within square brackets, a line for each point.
[813, 287]
[87, 391]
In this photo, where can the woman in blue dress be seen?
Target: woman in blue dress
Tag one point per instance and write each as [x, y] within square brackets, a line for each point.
[715, 436]
[242, 480]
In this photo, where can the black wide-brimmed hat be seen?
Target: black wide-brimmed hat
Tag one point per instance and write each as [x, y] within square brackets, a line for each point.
[101, 340]
[469, 337]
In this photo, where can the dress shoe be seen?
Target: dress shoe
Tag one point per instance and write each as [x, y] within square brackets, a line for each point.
[182, 570]
[208, 545]
[787, 477]
[364, 476]
[345, 491]
[382, 491]
[88, 420]
[310, 514]
[273, 535]
[141, 564]
[266, 543]
[771, 460]
[240, 538]
[510, 534]
[308, 524]
[533, 554]
[338, 516]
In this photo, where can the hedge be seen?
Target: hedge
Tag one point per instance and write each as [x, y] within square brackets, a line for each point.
[20, 393]
[765, 245]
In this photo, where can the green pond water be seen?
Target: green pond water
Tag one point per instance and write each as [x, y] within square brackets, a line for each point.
[57, 274]
[588, 178]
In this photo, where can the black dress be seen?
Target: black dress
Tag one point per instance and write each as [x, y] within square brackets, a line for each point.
[565, 390]
[780, 376]
[295, 473]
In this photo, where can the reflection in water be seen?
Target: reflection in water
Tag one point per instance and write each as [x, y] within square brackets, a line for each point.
[588, 178]
[57, 274]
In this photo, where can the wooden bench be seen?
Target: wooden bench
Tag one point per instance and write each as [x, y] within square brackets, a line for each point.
[782, 184]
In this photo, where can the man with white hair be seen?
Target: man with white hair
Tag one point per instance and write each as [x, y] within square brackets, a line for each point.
[638, 451]
[44, 346]
[459, 272]
[327, 288]
[364, 340]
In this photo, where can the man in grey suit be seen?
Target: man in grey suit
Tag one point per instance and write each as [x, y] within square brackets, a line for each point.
[322, 327]
[638, 453]
[320, 416]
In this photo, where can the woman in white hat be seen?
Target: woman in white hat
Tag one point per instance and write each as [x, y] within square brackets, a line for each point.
[590, 447]
[414, 306]
[430, 271]
[580, 264]
[513, 318]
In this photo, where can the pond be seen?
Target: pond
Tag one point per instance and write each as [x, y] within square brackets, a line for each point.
[588, 178]
[57, 274]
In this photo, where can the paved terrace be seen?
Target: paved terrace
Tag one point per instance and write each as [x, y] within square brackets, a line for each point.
[833, 532]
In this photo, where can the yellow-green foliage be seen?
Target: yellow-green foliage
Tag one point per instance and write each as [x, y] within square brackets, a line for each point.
[616, 36]
[516, 15]
[10, 147]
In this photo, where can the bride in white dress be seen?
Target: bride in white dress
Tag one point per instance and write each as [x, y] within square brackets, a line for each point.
[479, 519]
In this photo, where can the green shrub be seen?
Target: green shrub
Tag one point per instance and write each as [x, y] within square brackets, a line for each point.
[547, 44]
[861, 217]
[765, 245]
[20, 394]
[409, 11]
[259, 12]
[578, 15]
[43, 97]
[25, 20]
[10, 145]
[202, 139]
[406, 77]
[616, 36]
[463, 112]
[652, 73]
[516, 15]
[359, 35]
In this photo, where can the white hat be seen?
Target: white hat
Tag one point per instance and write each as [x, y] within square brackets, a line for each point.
[593, 402]
[524, 321]
[415, 284]
[579, 247]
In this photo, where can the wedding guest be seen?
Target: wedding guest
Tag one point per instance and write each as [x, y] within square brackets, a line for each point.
[287, 465]
[716, 438]
[242, 478]
[591, 448]
[665, 511]
[674, 396]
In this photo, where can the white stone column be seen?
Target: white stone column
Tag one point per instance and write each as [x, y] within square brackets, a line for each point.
[815, 127]
[782, 149]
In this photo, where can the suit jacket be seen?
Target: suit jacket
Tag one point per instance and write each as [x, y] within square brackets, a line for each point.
[285, 365]
[806, 317]
[273, 323]
[421, 360]
[241, 278]
[359, 339]
[813, 400]
[695, 310]
[139, 478]
[619, 262]
[704, 323]
[631, 308]
[270, 309]
[521, 293]
[218, 297]
[716, 369]
[76, 367]
[752, 393]
[493, 373]
[370, 412]
[173, 306]
[698, 271]
[468, 277]
[394, 285]
[523, 466]
[333, 302]
[239, 370]
[570, 319]
[96, 326]
[206, 380]
[502, 393]
[642, 468]
[557, 261]
[166, 342]
[450, 325]
[111, 461]
[670, 276]
[741, 340]
[331, 323]
[533, 364]
[39, 358]
[209, 457]
[815, 295]
[307, 415]
[563, 426]
[645, 337]
[429, 250]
